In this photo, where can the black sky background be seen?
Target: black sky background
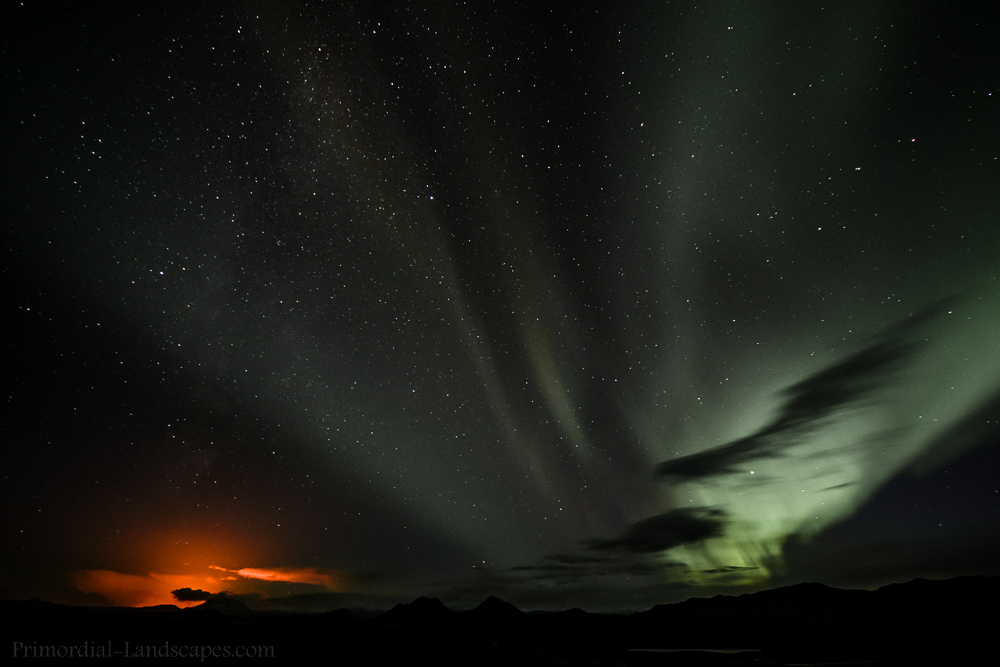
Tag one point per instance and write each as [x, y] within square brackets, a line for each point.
[422, 300]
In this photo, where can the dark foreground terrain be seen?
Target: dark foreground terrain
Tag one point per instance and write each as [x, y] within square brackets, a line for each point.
[921, 622]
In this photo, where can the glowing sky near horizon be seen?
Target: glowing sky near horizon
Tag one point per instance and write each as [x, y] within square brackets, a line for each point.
[586, 307]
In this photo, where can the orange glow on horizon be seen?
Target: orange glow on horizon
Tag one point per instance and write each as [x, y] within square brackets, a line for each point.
[134, 590]
[301, 575]
[154, 562]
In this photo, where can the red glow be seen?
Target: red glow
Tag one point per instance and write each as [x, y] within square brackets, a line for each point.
[133, 590]
[157, 563]
[302, 575]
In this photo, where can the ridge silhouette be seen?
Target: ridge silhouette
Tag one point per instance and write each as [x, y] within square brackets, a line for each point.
[944, 621]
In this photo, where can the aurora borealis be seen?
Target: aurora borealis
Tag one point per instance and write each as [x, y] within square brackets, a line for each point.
[603, 305]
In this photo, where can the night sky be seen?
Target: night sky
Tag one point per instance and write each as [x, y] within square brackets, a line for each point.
[604, 306]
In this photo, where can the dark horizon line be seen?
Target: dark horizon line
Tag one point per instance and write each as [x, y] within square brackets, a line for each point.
[234, 599]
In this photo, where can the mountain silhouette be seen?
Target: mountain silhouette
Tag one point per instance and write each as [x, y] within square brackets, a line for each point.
[221, 604]
[421, 612]
[493, 610]
[942, 622]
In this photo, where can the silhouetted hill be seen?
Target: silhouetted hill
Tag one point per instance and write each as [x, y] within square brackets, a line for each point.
[493, 610]
[159, 609]
[421, 612]
[221, 605]
[942, 622]
[960, 595]
[794, 604]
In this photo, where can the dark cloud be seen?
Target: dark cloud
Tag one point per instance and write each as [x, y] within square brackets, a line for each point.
[719, 461]
[666, 531]
[840, 486]
[726, 569]
[192, 595]
[809, 404]
[569, 569]
[576, 559]
[632, 554]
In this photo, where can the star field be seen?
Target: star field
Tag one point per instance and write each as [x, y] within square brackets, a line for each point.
[596, 306]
